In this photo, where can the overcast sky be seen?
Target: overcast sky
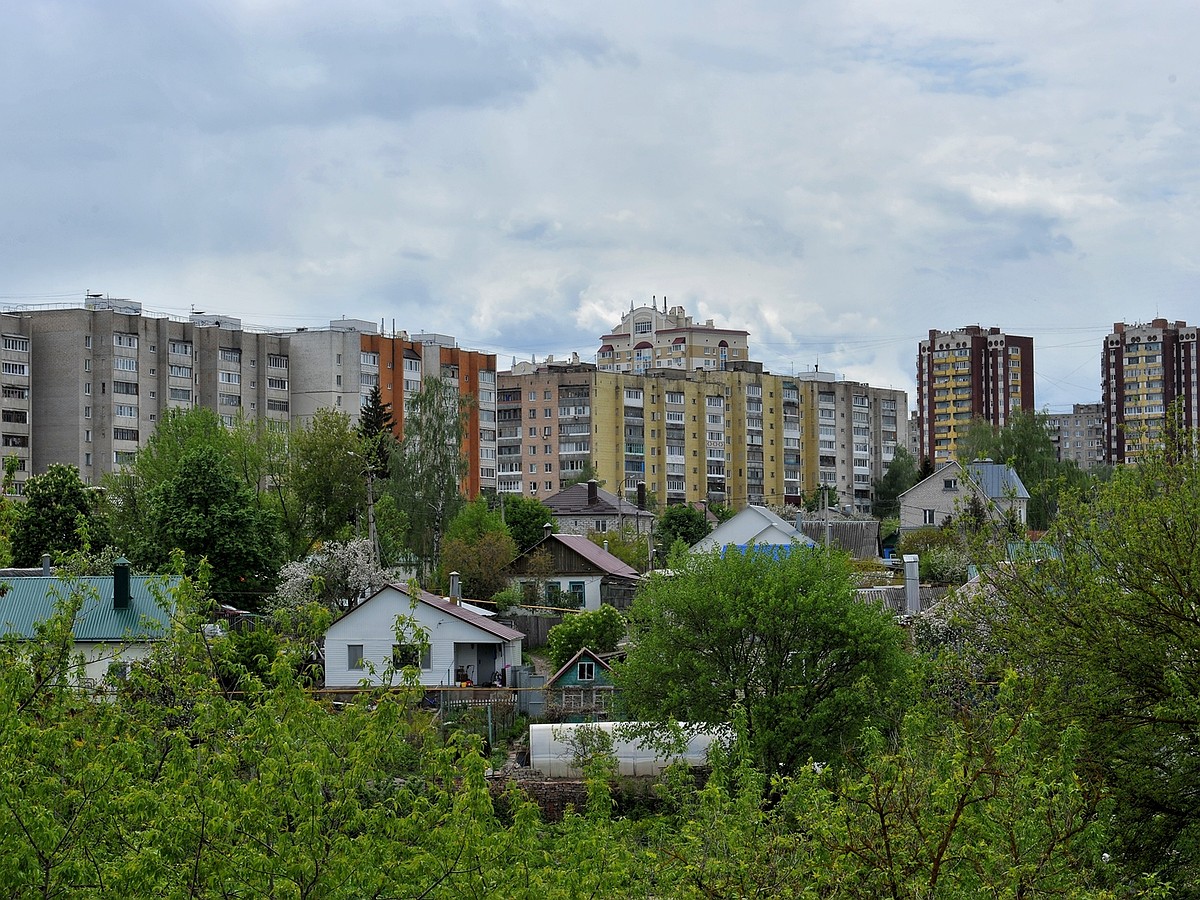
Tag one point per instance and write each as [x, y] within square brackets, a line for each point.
[837, 178]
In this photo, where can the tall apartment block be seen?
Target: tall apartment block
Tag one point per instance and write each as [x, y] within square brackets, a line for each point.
[1146, 368]
[86, 386]
[16, 392]
[100, 377]
[737, 435]
[649, 338]
[339, 366]
[1078, 436]
[969, 374]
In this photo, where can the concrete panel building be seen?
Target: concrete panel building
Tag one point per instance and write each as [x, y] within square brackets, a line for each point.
[1145, 369]
[1078, 436]
[969, 374]
[16, 393]
[737, 435]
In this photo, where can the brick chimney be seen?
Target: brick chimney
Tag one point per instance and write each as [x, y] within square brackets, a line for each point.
[593, 492]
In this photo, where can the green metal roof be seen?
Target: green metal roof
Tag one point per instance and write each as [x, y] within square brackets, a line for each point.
[29, 601]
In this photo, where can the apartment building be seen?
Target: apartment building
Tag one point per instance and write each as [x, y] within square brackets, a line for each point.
[87, 385]
[16, 407]
[1146, 368]
[339, 366]
[1078, 436]
[101, 376]
[649, 338]
[738, 435]
[969, 374]
[849, 434]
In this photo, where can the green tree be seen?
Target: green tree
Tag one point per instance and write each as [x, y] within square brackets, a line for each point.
[1025, 444]
[328, 475]
[478, 546]
[526, 518]
[627, 544]
[378, 431]
[786, 638]
[1107, 615]
[427, 468]
[902, 473]
[205, 512]
[599, 630]
[59, 516]
[680, 523]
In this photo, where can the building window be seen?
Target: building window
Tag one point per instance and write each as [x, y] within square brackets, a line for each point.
[930, 516]
[125, 364]
[586, 671]
[125, 340]
[125, 434]
[229, 377]
[127, 388]
[19, 344]
[181, 348]
[354, 656]
[13, 392]
[576, 590]
[277, 384]
[230, 354]
[13, 368]
[276, 361]
[16, 416]
[950, 484]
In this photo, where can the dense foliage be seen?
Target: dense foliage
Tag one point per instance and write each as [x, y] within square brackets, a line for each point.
[784, 636]
[599, 630]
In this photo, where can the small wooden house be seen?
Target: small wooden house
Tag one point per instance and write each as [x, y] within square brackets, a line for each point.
[570, 564]
[581, 691]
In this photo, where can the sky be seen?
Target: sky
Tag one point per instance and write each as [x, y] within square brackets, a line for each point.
[835, 178]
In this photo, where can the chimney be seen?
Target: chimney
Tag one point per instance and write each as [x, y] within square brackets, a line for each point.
[455, 587]
[121, 584]
[912, 584]
[46, 564]
[593, 492]
[547, 529]
[641, 495]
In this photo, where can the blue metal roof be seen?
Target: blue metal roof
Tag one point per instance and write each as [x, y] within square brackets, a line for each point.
[29, 601]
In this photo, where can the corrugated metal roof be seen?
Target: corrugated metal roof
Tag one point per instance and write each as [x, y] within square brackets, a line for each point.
[29, 601]
[998, 481]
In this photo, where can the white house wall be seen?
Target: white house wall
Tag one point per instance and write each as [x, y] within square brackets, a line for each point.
[373, 626]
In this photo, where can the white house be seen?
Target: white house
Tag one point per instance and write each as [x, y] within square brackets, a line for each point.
[753, 525]
[948, 492]
[447, 642]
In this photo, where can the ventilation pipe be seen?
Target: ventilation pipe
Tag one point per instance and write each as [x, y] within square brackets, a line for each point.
[593, 492]
[46, 564]
[121, 584]
[912, 584]
[455, 587]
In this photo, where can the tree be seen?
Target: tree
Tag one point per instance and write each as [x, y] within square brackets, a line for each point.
[901, 474]
[336, 577]
[427, 467]
[784, 638]
[526, 518]
[378, 431]
[627, 544]
[1025, 444]
[599, 630]
[328, 475]
[478, 546]
[1107, 615]
[207, 513]
[59, 516]
[680, 523]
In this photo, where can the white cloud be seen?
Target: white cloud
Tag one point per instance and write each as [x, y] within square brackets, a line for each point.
[835, 178]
